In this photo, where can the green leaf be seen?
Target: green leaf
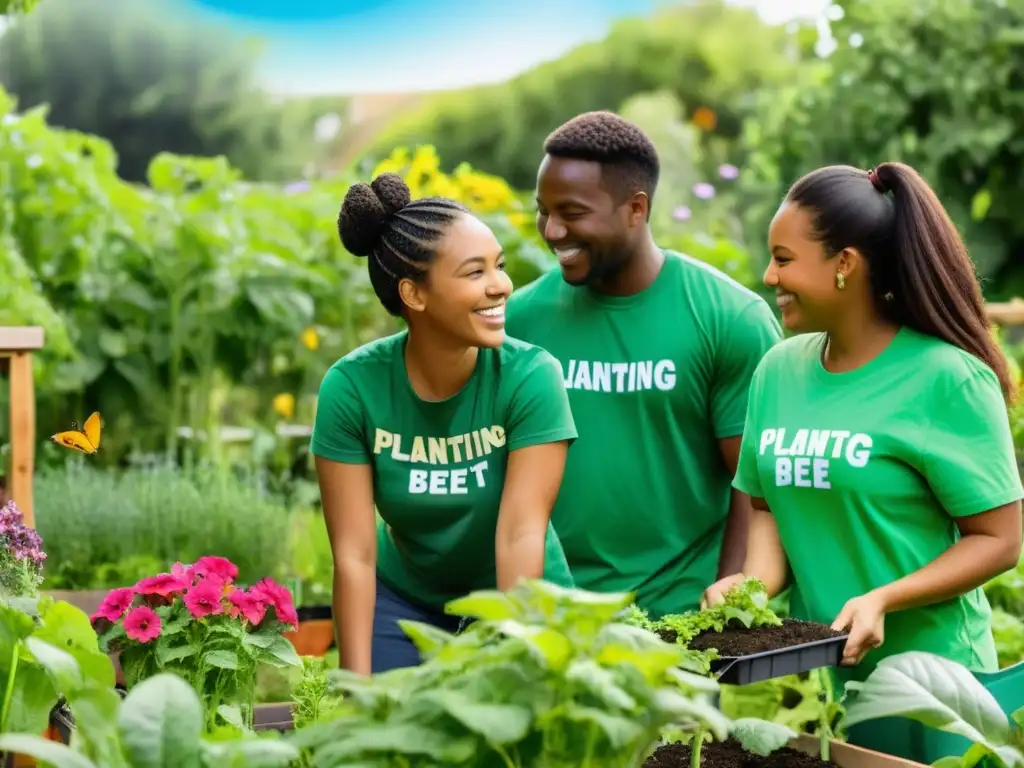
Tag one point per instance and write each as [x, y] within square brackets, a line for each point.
[252, 753]
[166, 653]
[488, 605]
[498, 724]
[61, 666]
[551, 647]
[601, 682]
[160, 724]
[696, 709]
[44, 750]
[232, 715]
[67, 627]
[932, 690]
[398, 738]
[281, 653]
[221, 659]
[619, 731]
[980, 204]
[760, 736]
[427, 638]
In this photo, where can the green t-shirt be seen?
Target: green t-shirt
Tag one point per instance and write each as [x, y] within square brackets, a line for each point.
[865, 472]
[654, 379]
[439, 467]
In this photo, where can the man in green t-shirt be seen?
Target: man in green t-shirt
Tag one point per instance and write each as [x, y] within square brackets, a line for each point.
[657, 350]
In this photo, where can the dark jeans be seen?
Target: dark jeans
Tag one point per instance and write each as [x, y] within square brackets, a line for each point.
[392, 648]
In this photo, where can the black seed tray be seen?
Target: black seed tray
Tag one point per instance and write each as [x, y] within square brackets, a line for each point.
[743, 670]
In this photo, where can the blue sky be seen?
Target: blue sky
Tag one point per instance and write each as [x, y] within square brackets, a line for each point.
[338, 46]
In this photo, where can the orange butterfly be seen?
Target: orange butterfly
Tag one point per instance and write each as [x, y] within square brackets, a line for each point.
[86, 440]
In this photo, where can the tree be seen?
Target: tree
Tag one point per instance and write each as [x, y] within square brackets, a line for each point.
[933, 83]
[146, 79]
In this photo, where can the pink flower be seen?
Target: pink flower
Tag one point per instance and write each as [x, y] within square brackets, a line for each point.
[220, 567]
[204, 599]
[163, 584]
[280, 597]
[184, 571]
[142, 624]
[114, 604]
[251, 606]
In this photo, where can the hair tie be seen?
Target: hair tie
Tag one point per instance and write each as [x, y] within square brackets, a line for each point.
[876, 182]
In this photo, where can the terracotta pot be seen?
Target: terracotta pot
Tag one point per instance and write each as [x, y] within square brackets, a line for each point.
[315, 634]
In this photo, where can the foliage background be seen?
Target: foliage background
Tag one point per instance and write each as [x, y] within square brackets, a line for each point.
[172, 227]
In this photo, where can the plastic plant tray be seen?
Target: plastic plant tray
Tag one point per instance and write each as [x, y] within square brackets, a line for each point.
[743, 670]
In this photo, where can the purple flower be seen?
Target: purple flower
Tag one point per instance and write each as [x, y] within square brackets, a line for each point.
[703, 190]
[21, 553]
[729, 172]
[296, 187]
[682, 213]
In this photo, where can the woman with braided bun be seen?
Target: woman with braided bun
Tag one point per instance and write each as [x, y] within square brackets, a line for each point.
[456, 434]
[877, 443]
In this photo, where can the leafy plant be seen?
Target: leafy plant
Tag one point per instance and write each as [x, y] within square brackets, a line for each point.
[196, 623]
[159, 725]
[944, 695]
[542, 677]
[47, 650]
[745, 605]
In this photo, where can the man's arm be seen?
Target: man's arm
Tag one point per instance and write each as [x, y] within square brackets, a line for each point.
[743, 341]
[737, 524]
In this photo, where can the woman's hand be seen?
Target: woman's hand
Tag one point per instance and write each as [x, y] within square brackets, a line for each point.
[715, 594]
[864, 618]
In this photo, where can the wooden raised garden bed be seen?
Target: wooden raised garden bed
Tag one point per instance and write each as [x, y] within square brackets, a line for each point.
[802, 752]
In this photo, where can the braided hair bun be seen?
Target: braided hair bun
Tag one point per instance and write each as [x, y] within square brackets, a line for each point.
[366, 210]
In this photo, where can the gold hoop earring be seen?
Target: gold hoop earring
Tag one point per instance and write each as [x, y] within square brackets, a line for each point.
[840, 281]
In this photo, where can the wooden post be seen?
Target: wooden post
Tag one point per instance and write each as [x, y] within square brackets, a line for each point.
[18, 344]
[1006, 313]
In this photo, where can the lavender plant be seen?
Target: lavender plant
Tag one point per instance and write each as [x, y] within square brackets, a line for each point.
[21, 555]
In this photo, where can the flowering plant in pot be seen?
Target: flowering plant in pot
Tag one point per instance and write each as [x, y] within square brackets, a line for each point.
[21, 555]
[197, 623]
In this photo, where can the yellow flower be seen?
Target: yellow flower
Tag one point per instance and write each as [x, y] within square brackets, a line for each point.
[310, 339]
[284, 405]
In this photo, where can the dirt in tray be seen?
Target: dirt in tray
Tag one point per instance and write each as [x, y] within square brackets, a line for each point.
[745, 642]
[729, 754]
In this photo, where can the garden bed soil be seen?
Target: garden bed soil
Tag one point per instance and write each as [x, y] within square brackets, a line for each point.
[746, 642]
[802, 752]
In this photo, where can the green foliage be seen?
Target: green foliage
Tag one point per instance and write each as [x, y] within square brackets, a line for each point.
[159, 725]
[200, 299]
[105, 529]
[944, 695]
[47, 649]
[149, 78]
[931, 83]
[543, 677]
[707, 53]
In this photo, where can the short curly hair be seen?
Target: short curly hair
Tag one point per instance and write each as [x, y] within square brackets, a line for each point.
[628, 159]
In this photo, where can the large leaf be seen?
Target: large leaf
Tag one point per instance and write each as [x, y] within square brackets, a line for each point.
[161, 722]
[931, 690]
[44, 750]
